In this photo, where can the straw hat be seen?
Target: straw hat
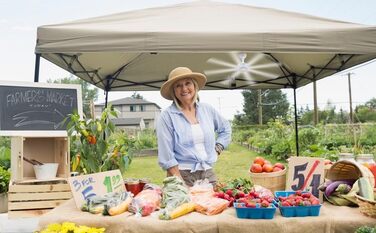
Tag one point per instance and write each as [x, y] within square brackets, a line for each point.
[178, 74]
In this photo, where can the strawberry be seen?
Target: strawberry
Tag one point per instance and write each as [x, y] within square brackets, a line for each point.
[315, 202]
[307, 203]
[286, 203]
[250, 204]
[265, 203]
[306, 195]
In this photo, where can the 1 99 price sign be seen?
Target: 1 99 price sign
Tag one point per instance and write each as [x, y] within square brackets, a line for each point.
[305, 173]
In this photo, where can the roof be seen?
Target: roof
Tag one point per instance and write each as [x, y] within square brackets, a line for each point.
[130, 101]
[127, 121]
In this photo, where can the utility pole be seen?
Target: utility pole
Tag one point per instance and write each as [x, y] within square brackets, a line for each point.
[259, 106]
[350, 98]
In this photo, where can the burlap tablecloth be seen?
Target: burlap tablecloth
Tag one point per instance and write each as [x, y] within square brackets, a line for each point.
[331, 219]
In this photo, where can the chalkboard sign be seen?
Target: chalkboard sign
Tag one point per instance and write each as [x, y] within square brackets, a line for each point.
[37, 107]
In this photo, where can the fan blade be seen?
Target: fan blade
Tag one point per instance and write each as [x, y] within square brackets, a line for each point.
[220, 62]
[264, 74]
[247, 75]
[256, 58]
[235, 57]
[219, 71]
[268, 65]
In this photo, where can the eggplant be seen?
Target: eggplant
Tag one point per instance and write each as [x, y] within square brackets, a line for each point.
[333, 186]
[323, 186]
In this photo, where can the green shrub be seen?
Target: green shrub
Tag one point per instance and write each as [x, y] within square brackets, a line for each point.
[4, 180]
[241, 136]
[308, 136]
[5, 157]
[146, 139]
[281, 150]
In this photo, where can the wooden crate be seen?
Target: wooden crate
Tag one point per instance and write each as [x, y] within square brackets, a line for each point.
[30, 199]
[44, 149]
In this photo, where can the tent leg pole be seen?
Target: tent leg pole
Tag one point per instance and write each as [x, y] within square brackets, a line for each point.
[296, 125]
[106, 100]
[107, 89]
[36, 69]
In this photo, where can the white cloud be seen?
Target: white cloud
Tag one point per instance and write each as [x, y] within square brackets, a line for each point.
[23, 28]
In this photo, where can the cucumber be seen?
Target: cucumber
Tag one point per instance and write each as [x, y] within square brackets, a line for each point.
[365, 189]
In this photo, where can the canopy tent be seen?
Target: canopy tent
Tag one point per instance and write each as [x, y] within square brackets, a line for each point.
[236, 46]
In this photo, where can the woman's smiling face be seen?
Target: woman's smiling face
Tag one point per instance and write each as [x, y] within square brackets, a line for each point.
[184, 90]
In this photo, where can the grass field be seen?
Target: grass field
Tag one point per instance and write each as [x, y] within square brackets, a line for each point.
[232, 163]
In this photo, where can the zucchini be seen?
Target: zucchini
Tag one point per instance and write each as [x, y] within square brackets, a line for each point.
[365, 189]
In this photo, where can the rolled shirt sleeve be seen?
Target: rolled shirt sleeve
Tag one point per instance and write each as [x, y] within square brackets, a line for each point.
[166, 157]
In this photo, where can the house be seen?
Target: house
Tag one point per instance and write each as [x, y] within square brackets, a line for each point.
[134, 113]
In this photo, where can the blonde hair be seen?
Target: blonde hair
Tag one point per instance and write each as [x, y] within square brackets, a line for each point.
[195, 97]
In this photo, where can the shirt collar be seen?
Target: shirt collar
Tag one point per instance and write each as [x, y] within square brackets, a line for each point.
[174, 108]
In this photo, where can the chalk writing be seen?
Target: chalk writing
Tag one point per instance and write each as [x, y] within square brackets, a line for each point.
[79, 184]
[36, 108]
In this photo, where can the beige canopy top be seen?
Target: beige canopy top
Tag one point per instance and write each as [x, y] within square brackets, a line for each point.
[236, 46]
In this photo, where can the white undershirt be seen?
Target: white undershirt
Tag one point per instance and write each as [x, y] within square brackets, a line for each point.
[199, 144]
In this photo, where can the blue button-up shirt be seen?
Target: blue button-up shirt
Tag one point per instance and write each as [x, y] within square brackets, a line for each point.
[175, 140]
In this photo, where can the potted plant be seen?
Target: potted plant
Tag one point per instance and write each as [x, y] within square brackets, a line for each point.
[4, 186]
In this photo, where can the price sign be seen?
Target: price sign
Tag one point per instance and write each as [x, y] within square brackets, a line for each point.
[87, 186]
[305, 173]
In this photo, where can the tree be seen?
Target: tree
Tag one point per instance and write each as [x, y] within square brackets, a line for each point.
[136, 95]
[366, 112]
[88, 94]
[274, 105]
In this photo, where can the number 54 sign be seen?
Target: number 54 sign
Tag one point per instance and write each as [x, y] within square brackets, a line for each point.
[305, 173]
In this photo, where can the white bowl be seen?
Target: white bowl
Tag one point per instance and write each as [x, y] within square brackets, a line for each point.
[46, 171]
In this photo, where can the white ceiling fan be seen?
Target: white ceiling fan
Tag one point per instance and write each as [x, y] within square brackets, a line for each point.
[258, 67]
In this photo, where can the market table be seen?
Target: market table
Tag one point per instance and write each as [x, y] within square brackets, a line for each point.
[331, 219]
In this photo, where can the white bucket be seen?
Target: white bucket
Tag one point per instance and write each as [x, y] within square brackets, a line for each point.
[46, 171]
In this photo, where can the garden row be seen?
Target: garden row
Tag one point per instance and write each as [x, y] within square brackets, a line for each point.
[278, 139]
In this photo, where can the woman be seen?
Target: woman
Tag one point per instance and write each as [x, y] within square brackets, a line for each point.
[190, 134]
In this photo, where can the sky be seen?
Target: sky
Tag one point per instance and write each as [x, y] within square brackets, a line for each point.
[19, 20]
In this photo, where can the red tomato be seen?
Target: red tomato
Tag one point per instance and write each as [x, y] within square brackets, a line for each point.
[267, 168]
[280, 165]
[256, 168]
[259, 160]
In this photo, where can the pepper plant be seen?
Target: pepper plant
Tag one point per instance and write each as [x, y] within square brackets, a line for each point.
[93, 147]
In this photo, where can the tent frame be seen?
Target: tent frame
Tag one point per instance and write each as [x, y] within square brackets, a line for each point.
[293, 78]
